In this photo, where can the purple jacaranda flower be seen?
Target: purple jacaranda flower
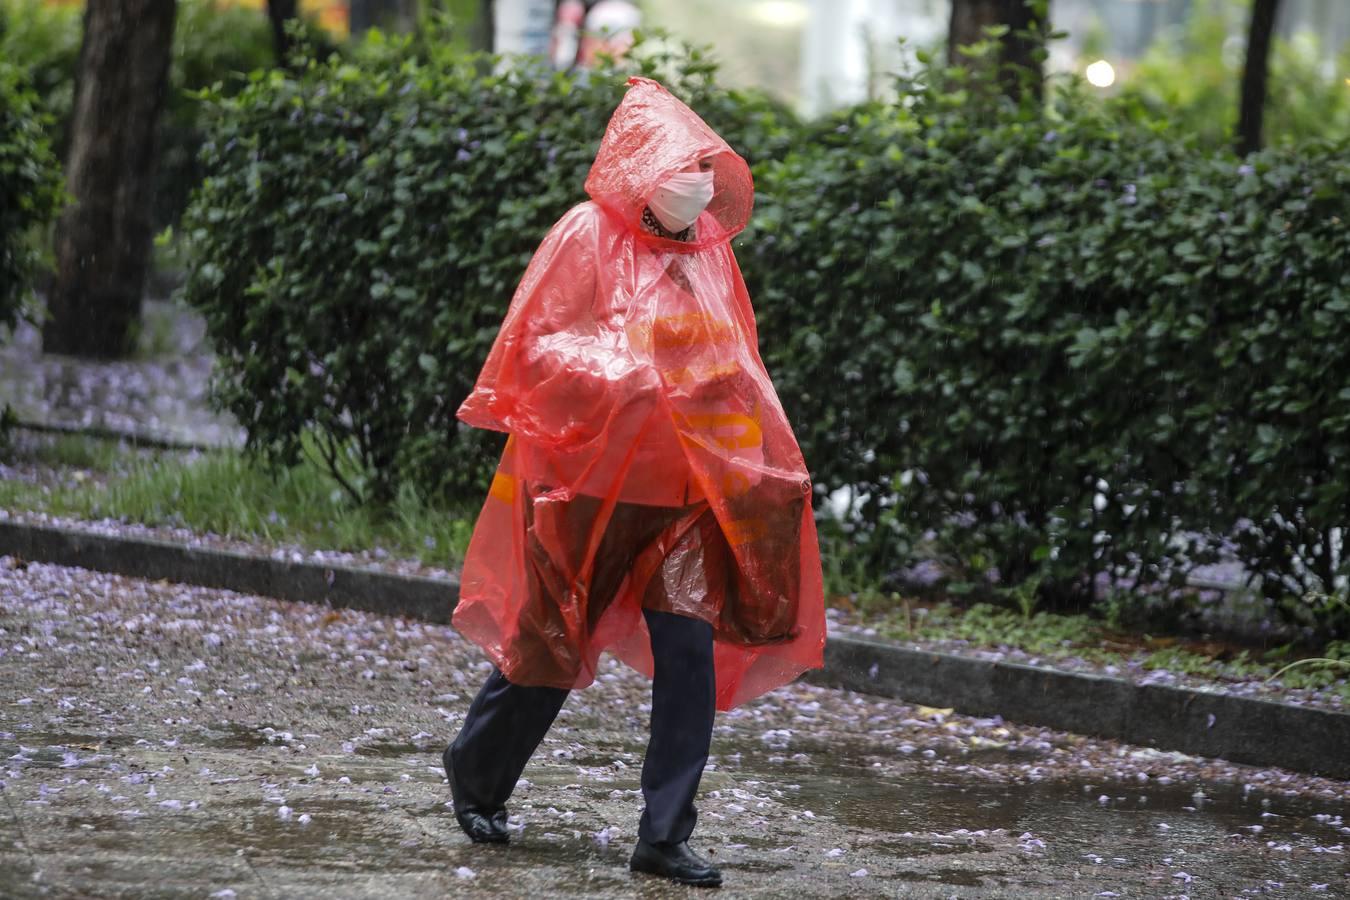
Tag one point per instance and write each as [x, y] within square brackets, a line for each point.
[463, 155]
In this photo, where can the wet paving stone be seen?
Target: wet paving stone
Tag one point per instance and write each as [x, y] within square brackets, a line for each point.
[160, 394]
[158, 740]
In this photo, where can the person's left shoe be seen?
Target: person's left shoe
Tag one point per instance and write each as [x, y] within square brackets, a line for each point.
[482, 827]
[676, 862]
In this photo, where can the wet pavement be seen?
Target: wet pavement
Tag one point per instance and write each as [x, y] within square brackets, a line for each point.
[161, 395]
[158, 740]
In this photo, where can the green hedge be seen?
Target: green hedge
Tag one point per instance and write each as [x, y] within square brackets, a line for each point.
[366, 222]
[1046, 344]
[30, 193]
[211, 45]
[1059, 344]
[29, 189]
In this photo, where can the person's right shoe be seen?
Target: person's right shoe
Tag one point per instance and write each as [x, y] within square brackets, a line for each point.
[676, 862]
[481, 827]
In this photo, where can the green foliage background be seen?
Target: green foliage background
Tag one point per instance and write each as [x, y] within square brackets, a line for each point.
[441, 181]
[1035, 345]
[1044, 343]
[1190, 80]
[29, 188]
[30, 192]
[1059, 343]
[211, 46]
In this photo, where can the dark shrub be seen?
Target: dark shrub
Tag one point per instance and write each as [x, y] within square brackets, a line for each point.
[363, 228]
[1063, 346]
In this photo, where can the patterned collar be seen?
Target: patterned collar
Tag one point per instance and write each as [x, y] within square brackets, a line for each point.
[650, 223]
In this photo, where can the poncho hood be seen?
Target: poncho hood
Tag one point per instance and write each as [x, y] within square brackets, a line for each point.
[651, 136]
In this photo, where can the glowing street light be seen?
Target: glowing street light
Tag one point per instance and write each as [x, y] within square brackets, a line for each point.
[1101, 74]
[779, 13]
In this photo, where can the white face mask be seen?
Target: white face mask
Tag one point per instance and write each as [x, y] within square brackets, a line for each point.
[678, 202]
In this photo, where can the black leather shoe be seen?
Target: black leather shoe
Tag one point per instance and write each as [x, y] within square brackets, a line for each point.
[482, 826]
[676, 862]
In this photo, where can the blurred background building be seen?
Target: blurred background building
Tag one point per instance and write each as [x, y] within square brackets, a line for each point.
[824, 53]
[819, 54]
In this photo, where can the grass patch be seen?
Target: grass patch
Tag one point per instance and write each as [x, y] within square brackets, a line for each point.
[231, 495]
[64, 451]
[226, 493]
[1053, 636]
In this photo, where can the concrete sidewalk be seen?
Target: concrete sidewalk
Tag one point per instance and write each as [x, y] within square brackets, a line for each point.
[160, 740]
[1289, 729]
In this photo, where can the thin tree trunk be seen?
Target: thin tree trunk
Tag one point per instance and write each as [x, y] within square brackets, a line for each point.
[1256, 76]
[280, 12]
[103, 242]
[360, 15]
[969, 18]
[485, 28]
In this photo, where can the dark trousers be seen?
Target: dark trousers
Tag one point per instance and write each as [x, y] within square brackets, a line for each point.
[507, 721]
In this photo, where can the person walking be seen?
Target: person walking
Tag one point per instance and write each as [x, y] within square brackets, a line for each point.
[651, 499]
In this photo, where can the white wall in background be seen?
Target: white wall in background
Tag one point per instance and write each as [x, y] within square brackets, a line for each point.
[522, 26]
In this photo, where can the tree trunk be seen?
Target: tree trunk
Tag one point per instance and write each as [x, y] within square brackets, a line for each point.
[1256, 76]
[969, 19]
[361, 15]
[103, 241]
[485, 28]
[280, 12]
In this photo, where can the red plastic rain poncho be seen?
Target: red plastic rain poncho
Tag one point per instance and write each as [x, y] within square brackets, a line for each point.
[650, 463]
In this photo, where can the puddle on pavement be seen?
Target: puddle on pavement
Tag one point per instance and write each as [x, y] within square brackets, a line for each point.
[1112, 821]
[959, 877]
[1107, 823]
[918, 805]
[916, 819]
[386, 749]
[348, 834]
[233, 736]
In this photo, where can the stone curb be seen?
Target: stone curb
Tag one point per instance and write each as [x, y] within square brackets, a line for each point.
[385, 593]
[1199, 723]
[1256, 732]
[134, 438]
